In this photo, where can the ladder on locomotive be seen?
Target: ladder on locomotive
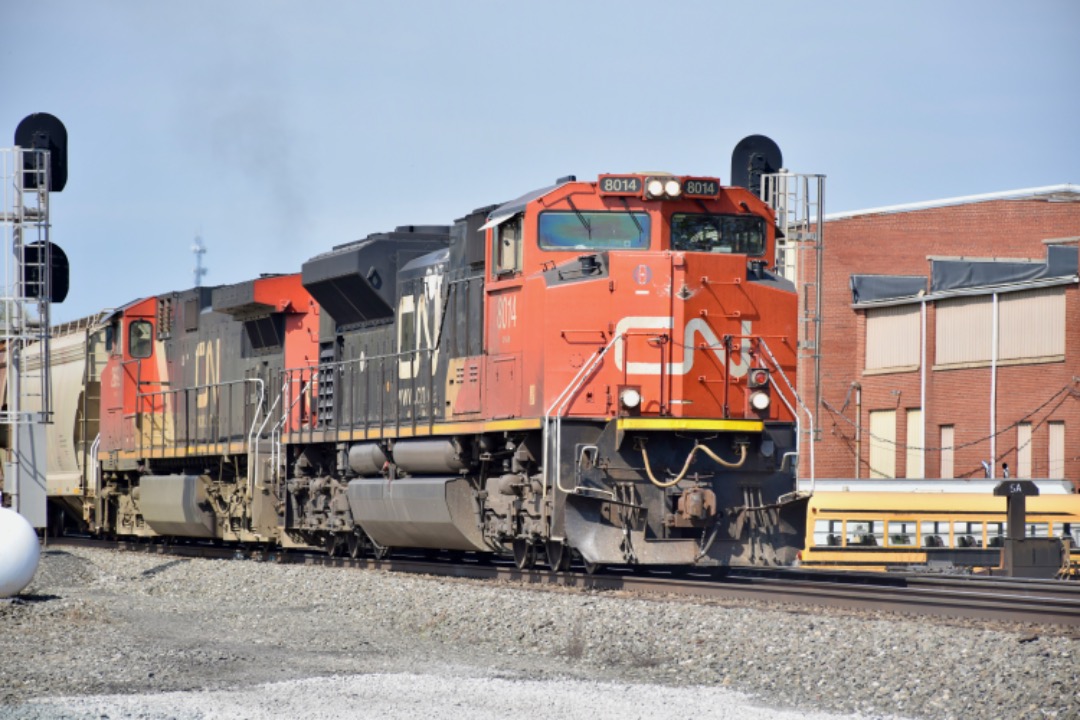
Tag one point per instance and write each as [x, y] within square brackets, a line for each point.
[799, 203]
[89, 437]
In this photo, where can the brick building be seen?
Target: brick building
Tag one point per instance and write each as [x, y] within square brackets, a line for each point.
[950, 338]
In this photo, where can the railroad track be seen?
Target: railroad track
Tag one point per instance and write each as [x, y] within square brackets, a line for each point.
[999, 599]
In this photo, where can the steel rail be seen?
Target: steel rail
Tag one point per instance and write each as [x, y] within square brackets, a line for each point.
[1011, 600]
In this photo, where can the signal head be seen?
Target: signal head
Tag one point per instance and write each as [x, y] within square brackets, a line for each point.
[42, 131]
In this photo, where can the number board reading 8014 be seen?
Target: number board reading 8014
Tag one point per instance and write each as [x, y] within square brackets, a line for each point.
[620, 185]
[701, 187]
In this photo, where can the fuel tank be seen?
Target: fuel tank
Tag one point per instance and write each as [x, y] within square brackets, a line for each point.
[429, 512]
[177, 505]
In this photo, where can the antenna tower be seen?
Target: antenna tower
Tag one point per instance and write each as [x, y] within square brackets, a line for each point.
[199, 249]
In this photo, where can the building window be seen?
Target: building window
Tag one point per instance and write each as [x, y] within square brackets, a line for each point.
[1031, 325]
[963, 329]
[882, 443]
[893, 338]
[913, 467]
[1031, 328]
[1056, 465]
[947, 470]
[1023, 450]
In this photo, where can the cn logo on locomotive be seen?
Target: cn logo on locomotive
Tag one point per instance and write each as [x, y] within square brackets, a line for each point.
[739, 365]
[417, 328]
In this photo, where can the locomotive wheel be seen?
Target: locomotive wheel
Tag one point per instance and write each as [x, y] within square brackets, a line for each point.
[591, 568]
[558, 555]
[356, 546]
[333, 544]
[524, 554]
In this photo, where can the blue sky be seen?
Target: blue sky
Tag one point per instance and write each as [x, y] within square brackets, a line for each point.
[279, 129]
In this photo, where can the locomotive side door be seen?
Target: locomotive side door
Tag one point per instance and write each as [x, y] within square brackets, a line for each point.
[503, 329]
[112, 389]
[130, 345]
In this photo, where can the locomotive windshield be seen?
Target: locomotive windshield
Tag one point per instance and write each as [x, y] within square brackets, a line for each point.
[560, 230]
[740, 234]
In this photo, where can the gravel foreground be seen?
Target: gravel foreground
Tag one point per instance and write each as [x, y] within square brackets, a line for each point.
[129, 635]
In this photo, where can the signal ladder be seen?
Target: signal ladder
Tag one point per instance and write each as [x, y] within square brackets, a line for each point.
[24, 327]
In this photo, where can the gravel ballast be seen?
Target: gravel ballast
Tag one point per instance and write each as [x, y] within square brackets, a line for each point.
[137, 635]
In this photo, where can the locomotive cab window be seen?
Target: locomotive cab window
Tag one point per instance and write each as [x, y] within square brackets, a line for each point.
[738, 234]
[140, 339]
[562, 230]
[508, 246]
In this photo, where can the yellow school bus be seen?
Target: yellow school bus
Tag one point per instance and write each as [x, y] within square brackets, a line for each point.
[956, 525]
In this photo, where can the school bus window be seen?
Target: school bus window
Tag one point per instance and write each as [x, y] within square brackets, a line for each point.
[1039, 530]
[140, 343]
[934, 533]
[865, 532]
[996, 533]
[828, 533]
[901, 533]
[1069, 530]
[968, 534]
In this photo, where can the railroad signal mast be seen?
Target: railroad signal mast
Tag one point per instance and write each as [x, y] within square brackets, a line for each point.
[35, 276]
[799, 203]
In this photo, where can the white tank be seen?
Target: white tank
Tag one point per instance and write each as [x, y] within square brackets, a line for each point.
[19, 553]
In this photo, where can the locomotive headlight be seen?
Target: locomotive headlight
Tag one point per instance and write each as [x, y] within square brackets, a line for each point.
[759, 401]
[655, 187]
[673, 188]
[630, 398]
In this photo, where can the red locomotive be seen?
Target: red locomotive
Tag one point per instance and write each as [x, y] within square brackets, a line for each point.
[601, 368]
